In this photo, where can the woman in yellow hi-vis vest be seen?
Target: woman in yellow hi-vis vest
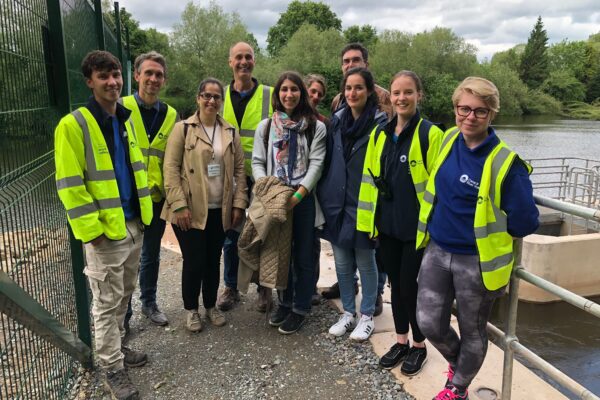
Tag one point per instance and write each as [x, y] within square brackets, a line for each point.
[397, 166]
[477, 199]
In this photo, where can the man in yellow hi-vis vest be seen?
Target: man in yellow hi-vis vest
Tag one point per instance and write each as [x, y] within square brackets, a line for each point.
[102, 181]
[153, 121]
[246, 103]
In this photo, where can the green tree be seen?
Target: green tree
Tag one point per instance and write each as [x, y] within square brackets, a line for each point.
[310, 50]
[539, 103]
[366, 34]
[534, 67]
[200, 44]
[563, 86]
[438, 89]
[297, 14]
[512, 89]
[511, 57]
[442, 51]
[592, 71]
[569, 56]
[389, 55]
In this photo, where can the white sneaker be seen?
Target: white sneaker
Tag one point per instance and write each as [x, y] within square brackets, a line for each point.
[363, 330]
[346, 321]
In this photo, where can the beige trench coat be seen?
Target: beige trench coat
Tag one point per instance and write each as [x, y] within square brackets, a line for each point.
[185, 172]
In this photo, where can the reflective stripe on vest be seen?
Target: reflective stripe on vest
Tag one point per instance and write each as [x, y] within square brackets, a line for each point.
[257, 109]
[154, 153]
[98, 182]
[368, 194]
[429, 195]
[494, 243]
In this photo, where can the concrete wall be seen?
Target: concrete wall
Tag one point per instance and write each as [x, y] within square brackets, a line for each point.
[572, 262]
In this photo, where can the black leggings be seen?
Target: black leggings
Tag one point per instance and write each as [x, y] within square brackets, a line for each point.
[201, 250]
[401, 262]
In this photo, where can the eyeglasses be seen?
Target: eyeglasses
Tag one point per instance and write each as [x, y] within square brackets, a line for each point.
[480, 113]
[208, 96]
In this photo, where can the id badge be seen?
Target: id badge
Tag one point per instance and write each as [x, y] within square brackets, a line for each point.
[214, 170]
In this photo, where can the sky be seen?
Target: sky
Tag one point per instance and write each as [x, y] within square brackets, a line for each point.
[490, 25]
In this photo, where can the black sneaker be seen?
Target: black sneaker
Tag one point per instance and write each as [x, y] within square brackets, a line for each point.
[279, 316]
[413, 364]
[292, 323]
[333, 292]
[394, 356]
[378, 305]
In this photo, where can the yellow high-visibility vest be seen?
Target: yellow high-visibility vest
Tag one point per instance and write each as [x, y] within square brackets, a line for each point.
[494, 243]
[258, 108]
[85, 178]
[368, 195]
[154, 153]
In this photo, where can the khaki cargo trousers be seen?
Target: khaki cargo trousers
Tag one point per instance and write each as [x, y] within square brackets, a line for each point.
[112, 268]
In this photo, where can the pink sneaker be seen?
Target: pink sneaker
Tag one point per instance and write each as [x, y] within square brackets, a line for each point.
[451, 393]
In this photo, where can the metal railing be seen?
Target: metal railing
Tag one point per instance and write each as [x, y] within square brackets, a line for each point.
[508, 340]
[44, 308]
[572, 179]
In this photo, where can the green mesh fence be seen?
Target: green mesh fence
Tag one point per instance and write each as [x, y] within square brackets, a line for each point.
[34, 242]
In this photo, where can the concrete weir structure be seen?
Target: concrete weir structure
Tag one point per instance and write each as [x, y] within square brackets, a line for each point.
[564, 252]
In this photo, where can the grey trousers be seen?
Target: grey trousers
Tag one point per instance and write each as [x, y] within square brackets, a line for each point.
[444, 277]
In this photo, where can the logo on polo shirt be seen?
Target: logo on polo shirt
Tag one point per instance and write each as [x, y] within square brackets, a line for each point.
[464, 178]
[403, 158]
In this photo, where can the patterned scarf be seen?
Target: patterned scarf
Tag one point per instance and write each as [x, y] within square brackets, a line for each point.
[288, 149]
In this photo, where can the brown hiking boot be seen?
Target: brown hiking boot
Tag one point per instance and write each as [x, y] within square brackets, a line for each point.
[265, 299]
[193, 323]
[133, 358]
[227, 299]
[120, 386]
[215, 317]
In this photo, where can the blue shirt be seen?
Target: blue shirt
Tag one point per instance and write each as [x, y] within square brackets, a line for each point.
[152, 116]
[457, 186]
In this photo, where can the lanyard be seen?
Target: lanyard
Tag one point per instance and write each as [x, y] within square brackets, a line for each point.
[211, 139]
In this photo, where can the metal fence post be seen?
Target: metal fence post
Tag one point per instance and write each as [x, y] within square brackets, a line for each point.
[511, 323]
[63, 103]
[128, 63]
[99, 24]
[118, 32]
[81, 290]
[59, 57]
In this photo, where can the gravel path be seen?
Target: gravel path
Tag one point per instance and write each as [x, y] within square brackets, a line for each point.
[246, 359]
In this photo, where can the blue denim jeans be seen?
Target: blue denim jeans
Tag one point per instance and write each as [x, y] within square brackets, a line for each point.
[345, 259]
[381, 278]
[299, 290]
[231, 260]
[150, 259]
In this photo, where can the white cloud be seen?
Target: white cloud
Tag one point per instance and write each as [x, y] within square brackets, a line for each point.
[492, 26]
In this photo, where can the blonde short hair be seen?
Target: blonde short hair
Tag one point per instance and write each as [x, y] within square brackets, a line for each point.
[479, 87]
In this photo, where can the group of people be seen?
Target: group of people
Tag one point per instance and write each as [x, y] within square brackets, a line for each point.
[258, 174]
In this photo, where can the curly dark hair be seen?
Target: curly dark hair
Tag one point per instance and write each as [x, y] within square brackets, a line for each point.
[99, 60]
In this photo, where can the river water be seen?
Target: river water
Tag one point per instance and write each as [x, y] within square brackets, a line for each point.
[560, 333]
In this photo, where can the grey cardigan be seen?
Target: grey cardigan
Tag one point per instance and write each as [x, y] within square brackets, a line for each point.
[316, 161]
